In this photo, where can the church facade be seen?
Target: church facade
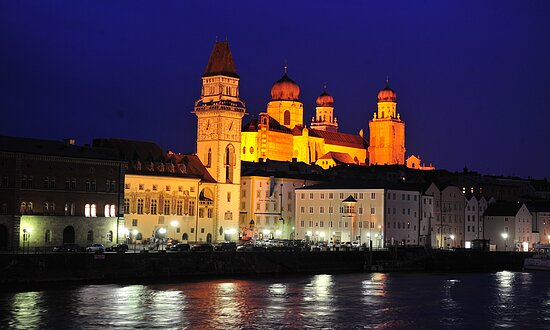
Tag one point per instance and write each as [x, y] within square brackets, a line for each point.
[280, 133]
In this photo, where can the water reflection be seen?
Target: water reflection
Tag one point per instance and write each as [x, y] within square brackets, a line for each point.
[348, 301]
[26, 313]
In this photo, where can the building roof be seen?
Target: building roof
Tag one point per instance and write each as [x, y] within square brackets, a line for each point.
[221, 61]
[52, 148]
[338, 157]
[503, 208]
[148, 158]
[538, 206]
[361, 184]
[350, 199]
[274, 125]
[336, 138]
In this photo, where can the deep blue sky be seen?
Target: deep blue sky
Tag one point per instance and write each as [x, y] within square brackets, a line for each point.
[472, 77]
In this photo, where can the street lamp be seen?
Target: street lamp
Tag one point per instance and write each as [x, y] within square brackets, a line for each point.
[162, 231]
[266, 232]
[135, 232]
[174, 223]
[505, 236]
[26, 238]
[229, 232]
[452, 237]
[278, 233]
[126, 235]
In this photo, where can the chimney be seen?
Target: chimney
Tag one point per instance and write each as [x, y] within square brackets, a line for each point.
[69, 141]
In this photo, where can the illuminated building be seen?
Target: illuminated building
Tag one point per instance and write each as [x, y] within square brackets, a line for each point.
[448, 221]
[161, 191]
[508, 226]
[280, 133]
[387, 131]
[219, 114]
[54, 192]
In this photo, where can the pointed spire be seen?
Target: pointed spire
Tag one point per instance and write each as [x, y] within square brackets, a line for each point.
[387, 81]
[325, 86]
[221, 61]
[285, 67]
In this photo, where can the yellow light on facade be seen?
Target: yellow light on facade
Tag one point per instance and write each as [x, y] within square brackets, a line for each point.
[135, 232]
[231, 231]
[174, 223]
[162, 230]
[308, 233]
[278, 232]
[266, 231]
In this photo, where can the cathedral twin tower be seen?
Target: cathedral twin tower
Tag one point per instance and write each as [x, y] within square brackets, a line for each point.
[280, 133]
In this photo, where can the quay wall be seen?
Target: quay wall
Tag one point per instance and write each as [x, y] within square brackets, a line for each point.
[113, 267]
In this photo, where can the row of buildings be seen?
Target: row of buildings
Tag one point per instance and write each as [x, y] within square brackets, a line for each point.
[271, 177]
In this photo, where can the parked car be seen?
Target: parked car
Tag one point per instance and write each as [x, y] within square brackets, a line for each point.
[95, 247]
[226, 247]
[67, 247]
[179, 247]
[118, 248]
[205, 247]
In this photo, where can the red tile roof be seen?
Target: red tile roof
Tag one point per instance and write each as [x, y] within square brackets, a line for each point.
[221, 61]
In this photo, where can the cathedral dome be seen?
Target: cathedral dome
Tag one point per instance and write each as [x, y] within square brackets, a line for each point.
[285, 89]
[325, 100]
[387, 94]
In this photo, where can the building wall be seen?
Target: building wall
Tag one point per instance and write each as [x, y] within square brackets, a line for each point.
[518, 227]
[402, 217]
[541, 225]
[387, 142]
[449, 216]
[162, 191]
[426, 226]
[277, 109]
[46, 192]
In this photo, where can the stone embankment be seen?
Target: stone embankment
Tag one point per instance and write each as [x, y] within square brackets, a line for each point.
[115, 267]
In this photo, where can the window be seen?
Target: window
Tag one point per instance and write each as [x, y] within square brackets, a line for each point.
[47, 236]
[92, 185]
[361, 195]
[210, 213]
[141, 186]
[258, 194]
[73, 184]
[107, 209]
[154, 206]
[372, 210]
[140, 206]
[311, 209]
[110, 235]
[341, 195]
[127, 186]
[311, 196]
[90, 236]
[107, 185]
[191, 208]
[322, 196]
[155, 187]
[286, 119]
[93, 211]
[330, 196]
[302, 209]
[126, 205]
[321, 209]
[330, 209]
[179, 207]
[23, 208]
[113, 210]
[134, 222]
[302, 196]
[228, 196]
[166, 207]
[87, 210]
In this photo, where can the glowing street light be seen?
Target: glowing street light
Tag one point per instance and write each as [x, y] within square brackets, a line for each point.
[162, 231]
[135, 232]
[505, 236]
[452, 237]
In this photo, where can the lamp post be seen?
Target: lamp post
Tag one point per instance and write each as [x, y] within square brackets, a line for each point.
[505, 236]
[135, 232]
[162, 231]
[126, 235]
[174, 223]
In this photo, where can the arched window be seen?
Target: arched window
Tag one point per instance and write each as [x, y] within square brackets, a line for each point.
[29, 207]
[87, 210]
[113, 211]
[47, 236]
[209, 158]
[23, 208]
[90, 236]
[209, 238]
[110, 235]
[244, 150]
[107, 209]
[184, 237]
[93, 211]
[45, 207]
[72, 208]
[287, 118]
[52, 208]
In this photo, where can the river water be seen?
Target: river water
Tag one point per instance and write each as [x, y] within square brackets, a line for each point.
[339, 301]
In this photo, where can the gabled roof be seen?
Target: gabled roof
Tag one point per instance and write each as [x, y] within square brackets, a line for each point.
[221, 61]
[341, 139]
[338, 157]
[503, 208]
[350, 199]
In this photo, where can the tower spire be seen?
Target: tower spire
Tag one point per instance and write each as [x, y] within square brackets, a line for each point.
[387, 81]
[285, 67]
[325, 86]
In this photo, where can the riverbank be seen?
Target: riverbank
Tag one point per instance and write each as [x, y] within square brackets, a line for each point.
[116, 267]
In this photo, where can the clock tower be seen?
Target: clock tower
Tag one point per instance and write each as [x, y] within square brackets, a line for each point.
[219, 114]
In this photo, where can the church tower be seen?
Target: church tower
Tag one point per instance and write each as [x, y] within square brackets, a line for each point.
[219, 114]
[285, 107]
[324, 113]
[387, 131]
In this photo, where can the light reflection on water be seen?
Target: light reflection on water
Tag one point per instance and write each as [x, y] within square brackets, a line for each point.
[343, 301]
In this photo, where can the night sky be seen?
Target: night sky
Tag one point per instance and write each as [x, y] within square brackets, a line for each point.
[472, 77]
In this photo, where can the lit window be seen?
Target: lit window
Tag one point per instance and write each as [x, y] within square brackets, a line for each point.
[87, 210]
[93, 211]
[107, 208]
